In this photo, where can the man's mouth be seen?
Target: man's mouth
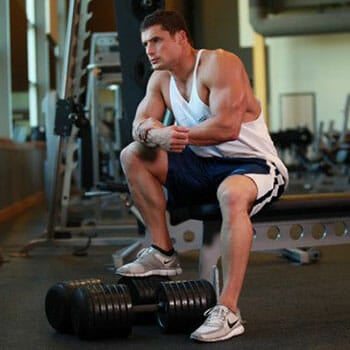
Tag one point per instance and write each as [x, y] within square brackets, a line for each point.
[154, 60]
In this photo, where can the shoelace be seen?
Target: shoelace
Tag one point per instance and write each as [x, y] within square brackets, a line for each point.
[216, 316]
[142, 252]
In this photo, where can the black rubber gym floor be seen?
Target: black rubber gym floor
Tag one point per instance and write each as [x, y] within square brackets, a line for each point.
[285, 306]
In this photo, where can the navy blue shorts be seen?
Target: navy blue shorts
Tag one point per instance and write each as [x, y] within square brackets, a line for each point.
[193, 180]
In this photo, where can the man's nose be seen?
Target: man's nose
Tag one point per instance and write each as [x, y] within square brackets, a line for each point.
[149, 50]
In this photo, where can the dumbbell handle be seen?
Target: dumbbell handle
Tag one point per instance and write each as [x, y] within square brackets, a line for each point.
[146, 308]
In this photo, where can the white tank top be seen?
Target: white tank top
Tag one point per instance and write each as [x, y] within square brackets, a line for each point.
[253, 141]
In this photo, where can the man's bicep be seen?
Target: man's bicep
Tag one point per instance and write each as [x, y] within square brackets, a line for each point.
[227, 102]
[227, 93]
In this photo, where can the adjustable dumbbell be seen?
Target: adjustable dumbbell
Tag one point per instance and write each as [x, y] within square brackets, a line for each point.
[58, 297]
[107, 310]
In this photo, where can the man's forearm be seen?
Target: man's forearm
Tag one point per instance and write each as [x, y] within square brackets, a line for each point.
[141, 129]
[207, 135]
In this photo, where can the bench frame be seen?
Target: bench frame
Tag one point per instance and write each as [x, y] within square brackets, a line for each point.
[291, 223]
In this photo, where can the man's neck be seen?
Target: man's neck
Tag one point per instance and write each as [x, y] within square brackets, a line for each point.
[185, 68]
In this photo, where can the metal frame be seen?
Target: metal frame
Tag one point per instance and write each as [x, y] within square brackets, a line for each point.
[290, 236]
[279, 236]
[61, 150]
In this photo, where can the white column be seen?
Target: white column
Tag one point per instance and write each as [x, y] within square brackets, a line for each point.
[62, 27]
[32, 64]
[42, 19]
[38, 59]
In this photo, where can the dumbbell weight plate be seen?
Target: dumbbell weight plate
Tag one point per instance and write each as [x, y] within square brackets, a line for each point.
[166, 300]
[183, 303]
[143, 290]
[200, 295]
[101, 311]
[204, 297]
[58, 303]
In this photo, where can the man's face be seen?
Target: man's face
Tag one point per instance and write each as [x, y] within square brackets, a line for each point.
[161, 47]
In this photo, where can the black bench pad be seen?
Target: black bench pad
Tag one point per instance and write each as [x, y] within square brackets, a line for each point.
[287, 207]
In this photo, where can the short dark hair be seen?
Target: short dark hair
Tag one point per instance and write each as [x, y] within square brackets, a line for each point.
[171, 21]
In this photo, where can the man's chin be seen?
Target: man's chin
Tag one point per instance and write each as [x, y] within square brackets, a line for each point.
[157, 66]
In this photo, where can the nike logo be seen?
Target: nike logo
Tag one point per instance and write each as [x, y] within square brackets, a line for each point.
[231, 325]
[166, 262]
[202, 118]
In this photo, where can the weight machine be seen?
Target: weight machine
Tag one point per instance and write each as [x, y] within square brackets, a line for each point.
[73, 124]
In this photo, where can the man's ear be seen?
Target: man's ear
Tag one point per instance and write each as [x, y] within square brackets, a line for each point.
[181, 36]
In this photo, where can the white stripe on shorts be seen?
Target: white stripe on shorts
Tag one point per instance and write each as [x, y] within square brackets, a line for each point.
[269, 186]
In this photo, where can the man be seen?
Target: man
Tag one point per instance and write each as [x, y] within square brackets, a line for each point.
[219, 149]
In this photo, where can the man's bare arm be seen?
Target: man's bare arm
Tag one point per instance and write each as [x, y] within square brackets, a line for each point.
[227, 83]
[148, 127]
[150, 111]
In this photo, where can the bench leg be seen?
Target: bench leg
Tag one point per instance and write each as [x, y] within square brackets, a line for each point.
[209, 256]
[301, 256]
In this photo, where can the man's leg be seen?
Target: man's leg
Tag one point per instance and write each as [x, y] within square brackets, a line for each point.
[236, 195]
[146, 170]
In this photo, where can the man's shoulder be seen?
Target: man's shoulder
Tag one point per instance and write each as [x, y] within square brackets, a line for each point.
[158, 80]
[213, 56]
[160, 75]
[218, 63]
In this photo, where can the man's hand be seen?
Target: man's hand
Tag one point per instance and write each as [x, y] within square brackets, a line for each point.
[171, 138]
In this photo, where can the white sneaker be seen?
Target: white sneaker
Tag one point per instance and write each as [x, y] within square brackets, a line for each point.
[221, 324]
[150, 261]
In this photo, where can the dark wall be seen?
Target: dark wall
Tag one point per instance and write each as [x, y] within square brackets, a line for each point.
[103, 19]
[18, 29]
[134, 62]
[216, 25]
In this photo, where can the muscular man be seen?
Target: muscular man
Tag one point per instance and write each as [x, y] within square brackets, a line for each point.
[219, 149]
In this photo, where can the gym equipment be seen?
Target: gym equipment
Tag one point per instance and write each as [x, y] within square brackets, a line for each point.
[58, 303]
[59, 297]
[73, 128]
[289, 224]
[183, 305]
[62, 154]
[107, 310]
[302, 256]
[143, 8]
[143, 290]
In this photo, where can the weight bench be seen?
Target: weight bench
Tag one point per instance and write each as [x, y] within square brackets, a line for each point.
[292, 224]
[289, 224]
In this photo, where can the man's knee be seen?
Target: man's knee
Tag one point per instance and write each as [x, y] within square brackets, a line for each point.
[135, 157]
[232, 199]
[237, 195]
[126, 156]
[132, 153]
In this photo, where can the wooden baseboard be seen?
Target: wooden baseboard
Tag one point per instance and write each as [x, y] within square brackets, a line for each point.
[18, 207]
